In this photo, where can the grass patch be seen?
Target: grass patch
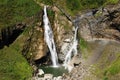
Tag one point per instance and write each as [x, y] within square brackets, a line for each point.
[114, 68]
[109, 69]
[73, 5]
[76, 5]
[47, 2]
[13, 65]
[83, 48]
[15, 11]
[83, 43]
[112, 1]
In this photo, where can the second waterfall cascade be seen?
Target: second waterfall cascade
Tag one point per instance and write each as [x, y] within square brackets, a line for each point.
[49, 38]
[72, 51]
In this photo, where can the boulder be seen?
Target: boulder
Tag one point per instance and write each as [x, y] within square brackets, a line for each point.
[40, 72]
[48, 76]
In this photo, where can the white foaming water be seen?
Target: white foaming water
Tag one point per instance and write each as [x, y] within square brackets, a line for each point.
[72, 51]
[48, 36]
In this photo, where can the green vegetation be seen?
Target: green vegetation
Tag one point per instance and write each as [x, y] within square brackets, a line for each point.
[51, 15]
[112, 1]
[13, 66]
[13, 11]
[114, 67]
[83, 48]
[47, 2]
[83, 43]
[74, 6]
[112, 70]
[107, 69]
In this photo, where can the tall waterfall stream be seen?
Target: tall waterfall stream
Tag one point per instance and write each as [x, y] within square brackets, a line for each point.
[72, 51]
[49, 38]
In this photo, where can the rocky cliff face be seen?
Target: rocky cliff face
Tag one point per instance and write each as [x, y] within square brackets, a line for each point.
[100, 23]
[34, 46]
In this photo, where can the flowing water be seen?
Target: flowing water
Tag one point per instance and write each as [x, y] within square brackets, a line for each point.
[48, 36]
[72, 51]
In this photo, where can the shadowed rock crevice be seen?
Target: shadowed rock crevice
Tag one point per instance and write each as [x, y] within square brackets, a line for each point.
[10, 34]
[115, 26]
[45, 60]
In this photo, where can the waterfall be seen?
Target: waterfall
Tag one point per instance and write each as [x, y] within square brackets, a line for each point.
[72, 51]
[48, 36]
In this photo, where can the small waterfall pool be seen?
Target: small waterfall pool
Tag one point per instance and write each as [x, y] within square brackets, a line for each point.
[55, 71]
